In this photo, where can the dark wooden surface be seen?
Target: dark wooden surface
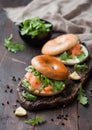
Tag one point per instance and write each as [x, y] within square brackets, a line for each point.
[78, 117]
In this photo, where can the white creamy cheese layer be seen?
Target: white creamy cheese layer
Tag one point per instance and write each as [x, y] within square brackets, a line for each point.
[76, 60]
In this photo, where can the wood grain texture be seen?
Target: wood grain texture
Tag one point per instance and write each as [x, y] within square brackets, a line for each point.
[85, 113]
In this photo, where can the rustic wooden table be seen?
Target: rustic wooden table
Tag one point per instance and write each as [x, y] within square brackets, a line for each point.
[13, 65]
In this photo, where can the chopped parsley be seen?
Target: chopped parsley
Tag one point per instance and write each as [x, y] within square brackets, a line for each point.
[34, 27]
[82, 67]
[35, 121]
[13, 46]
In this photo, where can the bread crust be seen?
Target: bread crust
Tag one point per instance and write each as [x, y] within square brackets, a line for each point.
[59, 44]
[50, 67]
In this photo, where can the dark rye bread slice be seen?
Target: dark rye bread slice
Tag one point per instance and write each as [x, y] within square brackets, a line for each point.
[62, 99]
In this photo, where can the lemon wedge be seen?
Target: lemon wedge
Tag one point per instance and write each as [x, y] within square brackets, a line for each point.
[75, 76]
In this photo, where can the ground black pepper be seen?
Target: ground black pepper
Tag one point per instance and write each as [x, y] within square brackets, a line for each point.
[52, 119]
[6, 91]
[63, 123]
[19, 78]
[65, 117]
[3, 104]
[11, 90]
[13, 78]
[17, 101]
[59, 116]
[7, 102]
[13, 111]
[78, 116]
[8, 86]
[62, 115]
[15, 105]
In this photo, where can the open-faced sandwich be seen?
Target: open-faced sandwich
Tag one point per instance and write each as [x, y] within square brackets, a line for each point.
[67, 48]
[45, 77]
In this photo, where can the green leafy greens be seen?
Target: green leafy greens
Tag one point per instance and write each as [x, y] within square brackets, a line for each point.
[65, 56]
[82, 67]
[57, 85]
[34, 27]
[29, 96]
[13, 46]
[26, 84]
[82, 98]
[81, 56]
[35, 121]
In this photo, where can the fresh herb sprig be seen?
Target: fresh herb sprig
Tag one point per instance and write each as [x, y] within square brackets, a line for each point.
[81, 56]
[65, 56]
[13, 46]
[82, 98]
[81, 67]
[29, 96]
[57, 85]
[35, 121]
[34, 27]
